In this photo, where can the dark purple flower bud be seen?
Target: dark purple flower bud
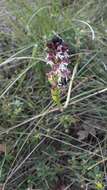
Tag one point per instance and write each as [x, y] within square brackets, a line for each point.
[65, 47]
[57, 40]
[50, 45]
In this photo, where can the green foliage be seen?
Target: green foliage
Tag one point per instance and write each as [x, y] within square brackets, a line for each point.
[43, 142]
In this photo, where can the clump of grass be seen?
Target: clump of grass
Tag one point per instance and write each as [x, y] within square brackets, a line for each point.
[47, 148]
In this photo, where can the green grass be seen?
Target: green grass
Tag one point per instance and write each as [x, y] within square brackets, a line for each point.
[47, 148]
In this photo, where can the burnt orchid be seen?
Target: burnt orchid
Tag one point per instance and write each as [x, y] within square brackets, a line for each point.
[58, 58]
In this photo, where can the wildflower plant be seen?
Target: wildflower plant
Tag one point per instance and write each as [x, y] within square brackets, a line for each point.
[44, 149]
[58, 59]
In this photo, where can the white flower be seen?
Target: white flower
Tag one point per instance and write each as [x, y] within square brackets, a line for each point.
[59, 48]
[50, 63]
[62, 67]
[66, 55]
[60, 55]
